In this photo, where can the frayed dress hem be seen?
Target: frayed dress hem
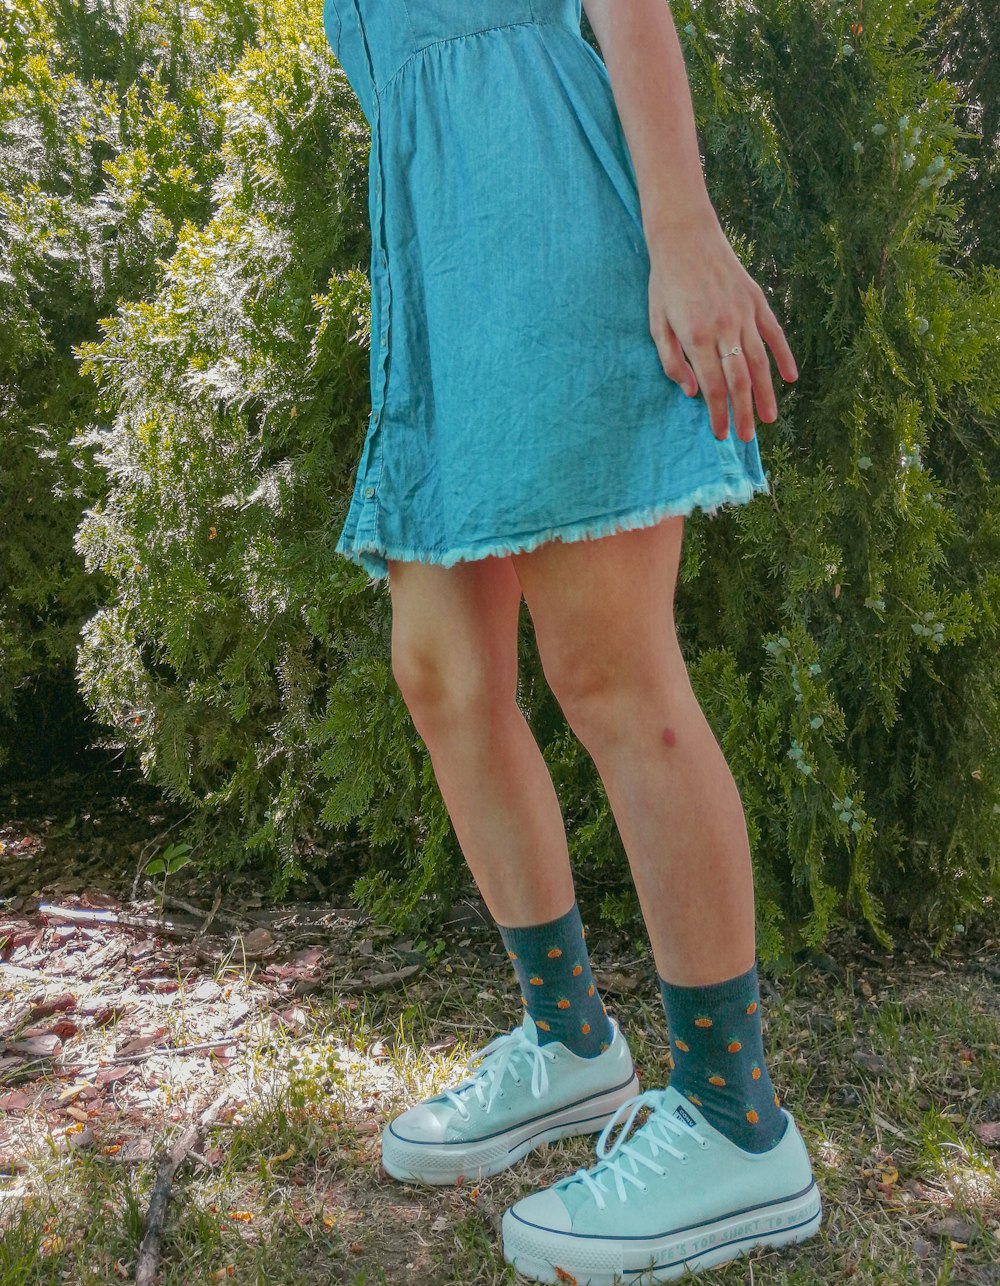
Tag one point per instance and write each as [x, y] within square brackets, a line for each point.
[710, 497]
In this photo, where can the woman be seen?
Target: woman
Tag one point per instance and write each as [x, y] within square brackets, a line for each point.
[560, 334]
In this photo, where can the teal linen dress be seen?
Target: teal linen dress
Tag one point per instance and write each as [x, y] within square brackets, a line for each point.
[517, 395]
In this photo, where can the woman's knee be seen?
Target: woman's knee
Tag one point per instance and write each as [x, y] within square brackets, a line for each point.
[603, 617]
[593, 700]
[604, 692]
[436, 681]
[454, 639]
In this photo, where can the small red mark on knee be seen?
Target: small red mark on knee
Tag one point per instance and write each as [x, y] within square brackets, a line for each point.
[669, 737]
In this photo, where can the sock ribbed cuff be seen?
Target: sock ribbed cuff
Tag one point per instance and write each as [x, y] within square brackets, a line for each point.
[745, 986]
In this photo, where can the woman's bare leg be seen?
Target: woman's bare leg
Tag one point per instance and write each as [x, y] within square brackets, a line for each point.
[454, 657]
[603, 617]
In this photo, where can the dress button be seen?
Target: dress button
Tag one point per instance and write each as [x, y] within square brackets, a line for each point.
[369, 492]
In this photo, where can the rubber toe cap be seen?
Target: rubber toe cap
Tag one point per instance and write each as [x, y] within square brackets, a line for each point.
[543, 1210]
[420, 1124]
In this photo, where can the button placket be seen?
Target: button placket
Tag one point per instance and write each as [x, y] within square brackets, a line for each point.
[380, 280]
[380, 284]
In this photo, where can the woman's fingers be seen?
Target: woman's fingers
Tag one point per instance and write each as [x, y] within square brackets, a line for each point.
[744, 378]
[770, 329]
[672, 358]
[760, 374]
[704, 357]
[737, 374]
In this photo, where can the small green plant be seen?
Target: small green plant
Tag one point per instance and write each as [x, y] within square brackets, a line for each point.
[432, 950]
[173, 859]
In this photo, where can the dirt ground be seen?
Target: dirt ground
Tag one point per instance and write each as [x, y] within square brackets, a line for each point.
[305, 1028]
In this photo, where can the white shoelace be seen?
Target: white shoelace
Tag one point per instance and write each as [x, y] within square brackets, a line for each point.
[497, 1059]
[625, 1157]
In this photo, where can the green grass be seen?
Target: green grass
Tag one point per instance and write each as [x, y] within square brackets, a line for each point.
[290, 1189]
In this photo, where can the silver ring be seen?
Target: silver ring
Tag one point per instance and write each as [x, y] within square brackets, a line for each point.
[731, 352]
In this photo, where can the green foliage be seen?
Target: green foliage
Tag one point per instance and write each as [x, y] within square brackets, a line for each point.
[108, 140]
[966, 38]
[233, 396]
[195, 186]
[864, 740]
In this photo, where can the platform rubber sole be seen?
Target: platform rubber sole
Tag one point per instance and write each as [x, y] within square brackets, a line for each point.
[541, 1256]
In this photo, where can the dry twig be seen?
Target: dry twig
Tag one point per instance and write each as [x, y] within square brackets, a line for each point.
[379, 981]
[149, 1251]
[179, 904]
[219, 1043]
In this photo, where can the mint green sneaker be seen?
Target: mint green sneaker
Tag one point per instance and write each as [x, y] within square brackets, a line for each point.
[677, 1195]
[521, 1095]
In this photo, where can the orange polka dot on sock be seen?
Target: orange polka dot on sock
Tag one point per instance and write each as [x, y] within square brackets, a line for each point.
[577, 970]
[680, 1045]
[734, 1047]
[585, 1029]
[703, 1022]
[555, 953]
[564, 1003]
[716, 1080]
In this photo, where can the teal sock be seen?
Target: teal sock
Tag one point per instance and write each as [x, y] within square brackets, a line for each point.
[718, 1051]
[557, 986]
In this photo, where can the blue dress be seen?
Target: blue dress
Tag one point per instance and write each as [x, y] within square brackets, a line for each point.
[517, 395]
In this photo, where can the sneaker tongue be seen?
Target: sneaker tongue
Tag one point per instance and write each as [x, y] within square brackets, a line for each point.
[683, 1114]
[675, 1104]
[529, 1028]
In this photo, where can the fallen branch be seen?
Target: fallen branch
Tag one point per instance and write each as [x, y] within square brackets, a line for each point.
[379, 981]
[312, 912]
[149, 1251]
[78, 915]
